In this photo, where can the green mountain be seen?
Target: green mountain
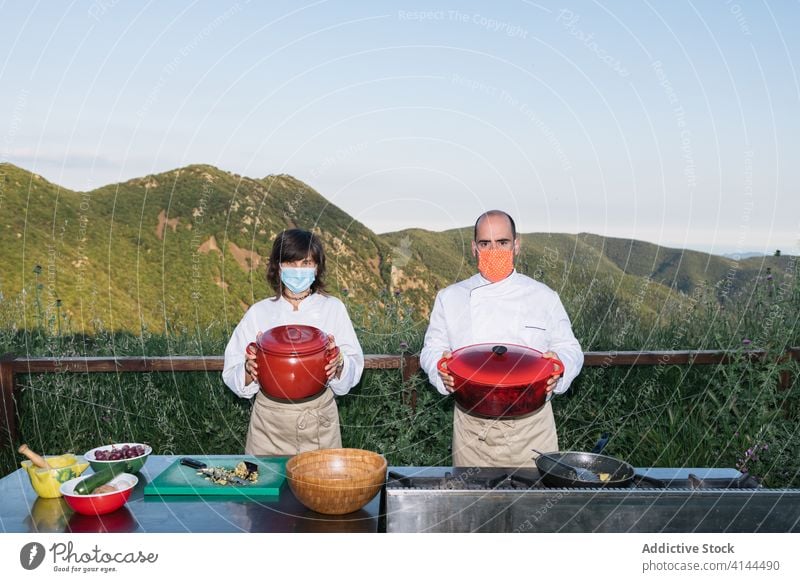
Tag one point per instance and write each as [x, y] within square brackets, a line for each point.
[188, 248]
[682, 269]
[185, 247]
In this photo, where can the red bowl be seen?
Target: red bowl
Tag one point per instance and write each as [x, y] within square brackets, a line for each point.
[99, 503]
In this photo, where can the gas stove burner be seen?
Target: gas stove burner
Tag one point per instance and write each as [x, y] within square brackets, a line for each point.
[645, 482]
[471, 479]
[512, 481]
[746, 481]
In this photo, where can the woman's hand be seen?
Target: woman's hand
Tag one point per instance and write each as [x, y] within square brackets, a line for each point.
[551, 382]
[335, 365]
[447, 379]
[250, 365]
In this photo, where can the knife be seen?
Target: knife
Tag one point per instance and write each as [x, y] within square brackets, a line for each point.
[193, 463]
[203, 468]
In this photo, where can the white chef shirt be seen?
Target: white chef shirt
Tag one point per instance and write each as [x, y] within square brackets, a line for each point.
[321, 311]
[517, 310]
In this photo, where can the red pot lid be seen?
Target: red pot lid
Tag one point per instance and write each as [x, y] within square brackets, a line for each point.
[293, 340]
[499, 364]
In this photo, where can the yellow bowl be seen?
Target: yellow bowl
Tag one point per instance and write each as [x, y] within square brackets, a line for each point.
[46, 482]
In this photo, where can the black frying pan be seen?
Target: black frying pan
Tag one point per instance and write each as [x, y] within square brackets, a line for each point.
[620, 473]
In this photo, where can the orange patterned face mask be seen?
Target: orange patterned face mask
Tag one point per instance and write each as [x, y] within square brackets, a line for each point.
[495, 264]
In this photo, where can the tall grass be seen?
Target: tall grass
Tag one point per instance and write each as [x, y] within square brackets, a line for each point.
[731, 415]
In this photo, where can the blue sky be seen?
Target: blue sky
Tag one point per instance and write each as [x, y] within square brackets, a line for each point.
[672, 122]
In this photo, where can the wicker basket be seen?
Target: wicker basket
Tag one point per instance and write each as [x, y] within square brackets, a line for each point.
[336, 481]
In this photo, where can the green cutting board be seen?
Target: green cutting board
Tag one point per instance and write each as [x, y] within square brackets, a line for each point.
[179, 479]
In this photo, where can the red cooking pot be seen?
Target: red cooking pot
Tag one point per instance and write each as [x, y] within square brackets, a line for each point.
[500, 380]
[291, 361]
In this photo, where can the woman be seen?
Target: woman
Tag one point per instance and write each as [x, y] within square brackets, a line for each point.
[296, 271]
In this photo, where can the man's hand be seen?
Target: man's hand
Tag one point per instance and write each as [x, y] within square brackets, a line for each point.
[250, 365]
[551, 382]
[333, 369]
[449, 382]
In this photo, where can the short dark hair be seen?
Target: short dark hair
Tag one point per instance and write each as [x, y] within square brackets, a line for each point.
[495, 213]
[295, 245]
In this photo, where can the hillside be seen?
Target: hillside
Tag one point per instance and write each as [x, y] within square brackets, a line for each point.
[682, 269]
[187, 248]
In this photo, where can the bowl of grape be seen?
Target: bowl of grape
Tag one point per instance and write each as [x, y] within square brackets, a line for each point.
[129, 457]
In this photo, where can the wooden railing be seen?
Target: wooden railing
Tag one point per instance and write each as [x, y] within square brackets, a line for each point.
[407, 364]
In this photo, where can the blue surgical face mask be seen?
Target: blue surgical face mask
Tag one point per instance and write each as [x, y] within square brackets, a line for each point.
[298, 279]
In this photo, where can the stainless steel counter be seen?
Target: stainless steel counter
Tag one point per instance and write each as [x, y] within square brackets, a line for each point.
[424, 500]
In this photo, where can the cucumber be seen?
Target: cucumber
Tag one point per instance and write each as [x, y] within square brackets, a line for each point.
[92, 482]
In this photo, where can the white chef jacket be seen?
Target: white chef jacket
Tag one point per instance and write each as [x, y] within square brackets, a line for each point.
[516, 310]
[321, 311]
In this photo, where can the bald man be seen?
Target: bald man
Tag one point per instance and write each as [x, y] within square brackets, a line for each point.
[499, 305]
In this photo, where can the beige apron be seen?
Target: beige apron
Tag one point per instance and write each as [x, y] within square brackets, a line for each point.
[482, 442]
[284, 428]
